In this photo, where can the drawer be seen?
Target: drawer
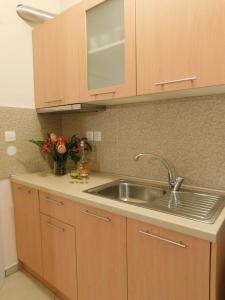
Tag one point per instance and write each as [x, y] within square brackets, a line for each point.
[57, 207]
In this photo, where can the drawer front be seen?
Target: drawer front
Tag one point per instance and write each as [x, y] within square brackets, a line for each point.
[57, 207]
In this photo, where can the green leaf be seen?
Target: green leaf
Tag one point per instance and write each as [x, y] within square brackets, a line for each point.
[38, 143]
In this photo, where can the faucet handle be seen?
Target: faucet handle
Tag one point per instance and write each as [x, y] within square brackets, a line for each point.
[177, 184]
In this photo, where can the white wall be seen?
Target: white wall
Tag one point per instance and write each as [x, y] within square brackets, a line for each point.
[68, 3]
[16, 90]
[7, 232]
[16, 71]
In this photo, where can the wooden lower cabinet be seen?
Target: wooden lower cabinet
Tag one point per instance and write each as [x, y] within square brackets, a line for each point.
[27, 225]
[101, 255]
[159, 269]
[112, 257]
[59, 256]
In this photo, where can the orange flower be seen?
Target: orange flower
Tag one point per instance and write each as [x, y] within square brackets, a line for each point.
[61, 148]
[53, 138]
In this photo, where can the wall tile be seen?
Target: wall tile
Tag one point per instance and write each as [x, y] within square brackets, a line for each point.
[28, 125]
[189, 133]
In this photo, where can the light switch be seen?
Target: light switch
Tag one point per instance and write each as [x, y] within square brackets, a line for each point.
[10, 136]
[90, 135]
[97, 136]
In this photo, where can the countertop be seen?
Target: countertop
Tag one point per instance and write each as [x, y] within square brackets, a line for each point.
[61, 186]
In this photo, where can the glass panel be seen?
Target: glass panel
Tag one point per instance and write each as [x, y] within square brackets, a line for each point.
[106, 45]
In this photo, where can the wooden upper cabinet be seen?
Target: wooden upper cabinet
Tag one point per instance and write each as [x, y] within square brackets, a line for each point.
[107, 50]
[27, 224]
[56, 61]
[180, 40]
[101, 255]
[165, 265]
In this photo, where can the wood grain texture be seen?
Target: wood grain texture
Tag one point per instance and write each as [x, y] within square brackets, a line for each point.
[27, 223]
[176, 40]
[48, 63]
[71, 22]
[161, 271]
[218, 268]
[112, 92]
[56, 60]
[42, 280]
[101, 256]
[59, 256]
[57, 207]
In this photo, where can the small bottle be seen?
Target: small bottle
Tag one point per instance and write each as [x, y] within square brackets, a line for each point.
[82, 165]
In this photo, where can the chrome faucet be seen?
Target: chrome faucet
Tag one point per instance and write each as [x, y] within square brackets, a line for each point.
[174, 184]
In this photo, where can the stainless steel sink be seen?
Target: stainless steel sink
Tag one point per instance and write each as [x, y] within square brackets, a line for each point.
[192, 205]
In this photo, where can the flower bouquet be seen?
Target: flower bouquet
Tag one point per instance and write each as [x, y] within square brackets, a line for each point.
[60, 148]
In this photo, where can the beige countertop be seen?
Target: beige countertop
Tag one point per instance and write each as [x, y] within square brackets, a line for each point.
[62, 186]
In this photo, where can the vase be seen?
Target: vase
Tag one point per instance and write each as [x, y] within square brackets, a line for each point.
[60, 167]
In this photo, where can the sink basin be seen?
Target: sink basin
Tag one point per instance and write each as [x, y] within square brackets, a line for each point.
[192, 205]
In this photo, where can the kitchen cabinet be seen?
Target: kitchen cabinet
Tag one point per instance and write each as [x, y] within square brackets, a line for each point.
[101, 254]
[83, 252]
[57, 207]
[177, 47]
[56, 61]
[27, 225]
[107, 50]
[59, 256]
[164, 265]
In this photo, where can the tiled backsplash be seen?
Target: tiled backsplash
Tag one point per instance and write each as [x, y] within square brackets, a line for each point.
[188, 133]
[27, 125]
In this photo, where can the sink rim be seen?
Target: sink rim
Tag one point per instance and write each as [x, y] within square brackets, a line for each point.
[219, 200]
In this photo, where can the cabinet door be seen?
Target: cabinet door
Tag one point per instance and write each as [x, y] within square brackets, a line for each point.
[108, 62]
[101, 255]
[160, 267]
[48, 63]
[27, 223]
[71, 23]
[178, 47]
[59, 256]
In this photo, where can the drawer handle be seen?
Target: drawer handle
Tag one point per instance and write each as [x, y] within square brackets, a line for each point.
[60, 229]
[146, 233]
[52, 101]
[103, 93]
[52, 201]
[177, 80]
[87, 212]
[20, 189]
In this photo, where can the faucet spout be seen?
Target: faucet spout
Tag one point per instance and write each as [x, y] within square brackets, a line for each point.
[174, 184]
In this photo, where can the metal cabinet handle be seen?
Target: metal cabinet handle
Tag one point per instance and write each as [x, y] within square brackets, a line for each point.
[146, 233]
[60, 229]
[177, 80]
[87, 212]
[20, 189]
[55, 202]
[52, 101]
[103, 93]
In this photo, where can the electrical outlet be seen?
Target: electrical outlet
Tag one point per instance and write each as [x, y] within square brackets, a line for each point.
[90, 135]
[97, 136]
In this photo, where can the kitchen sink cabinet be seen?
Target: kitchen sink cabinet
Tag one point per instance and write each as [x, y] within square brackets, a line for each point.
[27, 225]
[164, 265]
[107, 50]
[85, 253]
[177, 47]
[101, 254]
[56, 61]
[59, 256]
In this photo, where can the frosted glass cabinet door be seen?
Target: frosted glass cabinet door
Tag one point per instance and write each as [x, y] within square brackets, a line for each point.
[108, 49]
